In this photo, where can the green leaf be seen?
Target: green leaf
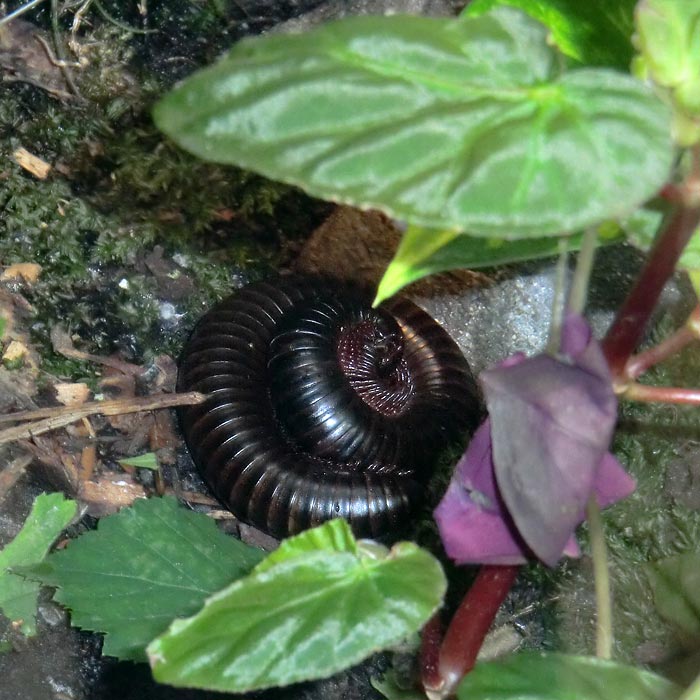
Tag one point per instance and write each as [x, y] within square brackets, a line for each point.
[140, 569]
[50, 514]
[675, 582]
[458, 124]
[594, 32]
[307, 616]
[424, 252]
[533, 676]
[335, 536]
[3, 323]
[144, 461]
[642, 226]
[668, 36]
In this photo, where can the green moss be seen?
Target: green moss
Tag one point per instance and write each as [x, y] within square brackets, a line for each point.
[117, 190]
[13, 364]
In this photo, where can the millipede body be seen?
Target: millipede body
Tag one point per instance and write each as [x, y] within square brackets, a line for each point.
[320, 406]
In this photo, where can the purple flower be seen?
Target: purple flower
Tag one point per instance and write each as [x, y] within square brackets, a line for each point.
[521, 487]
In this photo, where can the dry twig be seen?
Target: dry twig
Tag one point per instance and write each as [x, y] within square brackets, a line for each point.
[53, 418]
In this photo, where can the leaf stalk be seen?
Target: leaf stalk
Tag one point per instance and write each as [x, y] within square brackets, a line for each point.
[627, 329]
[601, 575]
[640, 363]
[468, 628]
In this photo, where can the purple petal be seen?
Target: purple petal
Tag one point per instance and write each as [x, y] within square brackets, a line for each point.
[577, 343]
[575, 335]
[572, 549]
[474, 525]
[552, 422]
[612, 483]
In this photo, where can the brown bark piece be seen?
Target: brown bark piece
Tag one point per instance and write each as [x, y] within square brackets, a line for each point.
[31, 163]
[357, 246]
[109, 493]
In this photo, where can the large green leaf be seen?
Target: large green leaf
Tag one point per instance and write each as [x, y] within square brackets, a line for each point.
[532, 676]
[50, 514]
[594, 32]
[668, 34]
[307, 616]
[140, 569]
[675, 582]
[453, 124]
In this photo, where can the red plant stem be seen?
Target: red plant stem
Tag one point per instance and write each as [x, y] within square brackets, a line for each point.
[664, 394]
[431, 637]
[638, 364]
[628, 327]
[672, 193]
[469, 626]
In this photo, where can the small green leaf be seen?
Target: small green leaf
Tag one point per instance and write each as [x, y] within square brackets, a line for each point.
[3, 323]
[424, 252]
[594, 32]
[675, 582]
[305, 617]
[140, 569]
[50, 514]
[668, 36]
[144, 461]
[460, 124]
[533, 676]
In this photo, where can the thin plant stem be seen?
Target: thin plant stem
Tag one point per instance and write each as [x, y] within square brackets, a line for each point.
[431, 638]
[119, 24]
[58, 48]
[558, 298]
[19, 11]
[640, 363]
[660, 394]
[604, 635]
[582, 275]
[59, 417]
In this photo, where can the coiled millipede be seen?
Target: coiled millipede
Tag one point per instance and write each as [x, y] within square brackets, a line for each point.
[321, 406]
